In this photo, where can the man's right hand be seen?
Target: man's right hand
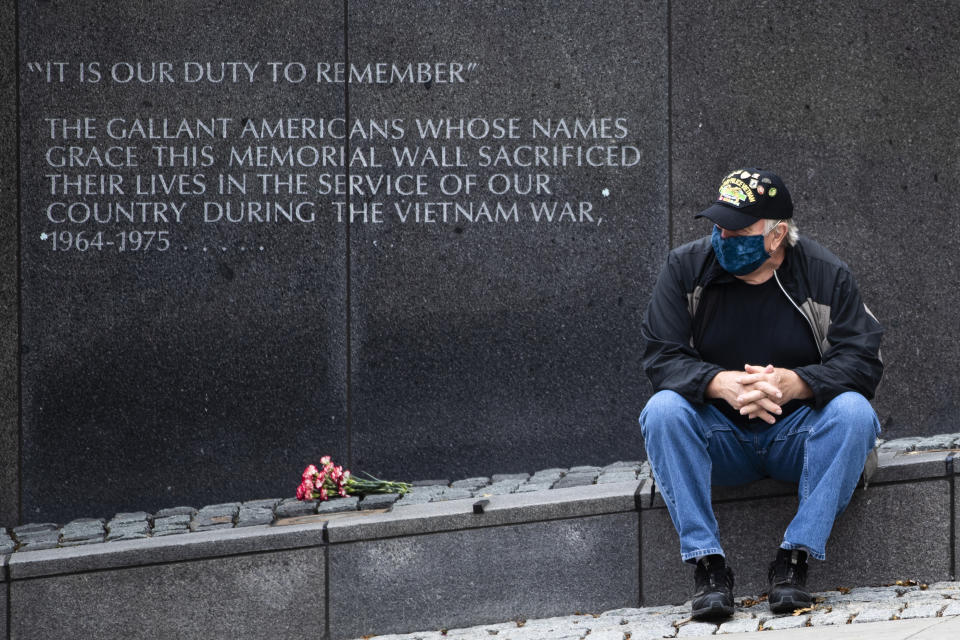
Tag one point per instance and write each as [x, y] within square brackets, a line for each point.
[760, 398]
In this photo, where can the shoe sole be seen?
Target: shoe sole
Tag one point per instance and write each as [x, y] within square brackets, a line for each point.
[715, 611]
[789, 605]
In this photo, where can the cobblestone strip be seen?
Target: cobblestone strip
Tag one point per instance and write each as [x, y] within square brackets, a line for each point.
[215, 516]
[129, 526]
[470, 484]
[7, 544]
[291, 507]
[173, 525]
[173, 521]
[518, 477]
[337, 505]
[82, 531]
[922, 610]
[33, 537]
[254, 512]
[378, 501]
[860, 605]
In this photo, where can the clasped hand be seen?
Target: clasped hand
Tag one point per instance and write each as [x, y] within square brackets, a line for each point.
[758, 392]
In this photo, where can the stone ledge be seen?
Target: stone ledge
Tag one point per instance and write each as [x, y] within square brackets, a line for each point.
[146, 551]
[307, 531]
[430, 546]
[188, 520]
[502, 509]
[897, 466]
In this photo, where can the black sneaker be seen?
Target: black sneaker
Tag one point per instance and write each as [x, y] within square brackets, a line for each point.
[788, 579]
[713, 599]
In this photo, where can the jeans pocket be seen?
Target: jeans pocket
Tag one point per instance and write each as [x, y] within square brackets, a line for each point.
[725, 431]
[801, 426]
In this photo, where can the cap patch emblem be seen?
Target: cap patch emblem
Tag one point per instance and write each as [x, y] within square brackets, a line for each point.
[736, 192]
[760, 189]
[773, 191]
[744, 175]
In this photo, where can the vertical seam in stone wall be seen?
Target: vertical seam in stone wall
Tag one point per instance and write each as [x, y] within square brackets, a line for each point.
[17, 257]
[326, 582]
[953, 515]
[347, 257]
[6, 577]
[638, 505]
[639, 556]
[670, 124]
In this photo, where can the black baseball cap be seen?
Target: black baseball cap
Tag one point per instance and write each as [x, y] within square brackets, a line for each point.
[748, 195]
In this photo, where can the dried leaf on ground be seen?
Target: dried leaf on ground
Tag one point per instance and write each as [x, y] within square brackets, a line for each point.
[750, 602]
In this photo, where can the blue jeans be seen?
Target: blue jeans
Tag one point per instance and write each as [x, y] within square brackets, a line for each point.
[693, 445]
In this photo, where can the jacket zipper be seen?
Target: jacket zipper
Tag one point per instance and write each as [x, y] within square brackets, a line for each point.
[805, 317]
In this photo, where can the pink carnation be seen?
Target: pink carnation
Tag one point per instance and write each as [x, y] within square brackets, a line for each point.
[309, 471]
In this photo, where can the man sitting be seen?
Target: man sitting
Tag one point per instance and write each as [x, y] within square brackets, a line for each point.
[763, 358]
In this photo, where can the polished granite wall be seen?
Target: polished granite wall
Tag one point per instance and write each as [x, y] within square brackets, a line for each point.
[217, 367]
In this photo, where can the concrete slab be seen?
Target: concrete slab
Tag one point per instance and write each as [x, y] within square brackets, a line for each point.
[460, 578]
[250, 596]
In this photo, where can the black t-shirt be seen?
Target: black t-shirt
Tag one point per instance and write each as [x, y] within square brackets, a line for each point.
[753, 324]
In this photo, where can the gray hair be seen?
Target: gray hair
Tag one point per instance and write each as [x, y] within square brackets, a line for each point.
[793, 233]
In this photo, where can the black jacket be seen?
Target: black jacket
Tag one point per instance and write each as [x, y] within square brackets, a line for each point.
[818, 283]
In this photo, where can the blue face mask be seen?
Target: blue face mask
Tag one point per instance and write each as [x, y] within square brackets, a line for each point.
[739, 255]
